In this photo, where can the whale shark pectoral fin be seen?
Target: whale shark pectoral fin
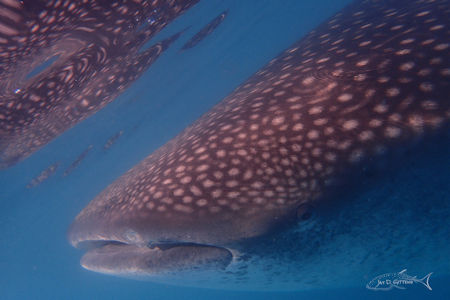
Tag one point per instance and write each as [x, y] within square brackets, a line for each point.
[137, 261]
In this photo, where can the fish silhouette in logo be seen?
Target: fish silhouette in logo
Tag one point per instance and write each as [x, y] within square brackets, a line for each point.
[388, 281]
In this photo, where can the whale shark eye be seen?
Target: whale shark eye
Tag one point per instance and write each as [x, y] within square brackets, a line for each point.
[305, 212]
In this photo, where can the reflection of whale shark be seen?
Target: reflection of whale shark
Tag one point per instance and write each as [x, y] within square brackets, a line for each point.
[301, 177]
[93, 48]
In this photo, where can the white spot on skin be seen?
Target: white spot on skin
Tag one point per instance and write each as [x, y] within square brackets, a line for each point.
[345, 97]
[218, 175]
[248, 175]
[315, 110]
[202, 168]
[381, 108]
[297, 127]
[374, 123]
[429, 105]
[201, 202]
[313, 134]
[221, 153]
[195, 190]
[308, 80]
[242, 152]
[227, 140]
[392, 92]
[427, 42]
[320, 122]
[322, 60]
[208, 183]
[366, 135]
[360, 77]
[392, 132]
[423, 13]
[441, 47]
[365, 43]
[383, 79]
[216, 193]
[233, 172]
[178, 192]
[407, 66]
[426, 87]
[350, 125]
[232, 183]
[200, 150]
[186, 179]
[436, 27]
[187, 199]
[180, 169]
[183, 208]
[407, 41]
[362, 63]
[293, 99]
[403, 52]
[278, 121]
[257, 185]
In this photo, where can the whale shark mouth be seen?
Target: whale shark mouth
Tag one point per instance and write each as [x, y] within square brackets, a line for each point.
[154, 260]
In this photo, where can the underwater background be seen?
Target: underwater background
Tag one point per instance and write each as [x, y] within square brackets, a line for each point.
[37, 262]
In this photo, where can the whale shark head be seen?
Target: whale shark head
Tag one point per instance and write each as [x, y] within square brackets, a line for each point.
[299, 178]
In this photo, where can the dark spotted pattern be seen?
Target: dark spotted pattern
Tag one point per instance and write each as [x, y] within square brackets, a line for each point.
[97, 48]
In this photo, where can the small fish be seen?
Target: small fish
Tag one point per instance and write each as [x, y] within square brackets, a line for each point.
[77, 161]
[44, 175]
[205, 31]
[112, 140]
[388, 281]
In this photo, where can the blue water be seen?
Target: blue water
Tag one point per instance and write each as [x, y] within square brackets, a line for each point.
[37, 262]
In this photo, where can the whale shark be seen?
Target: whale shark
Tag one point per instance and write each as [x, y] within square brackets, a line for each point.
[326, 168]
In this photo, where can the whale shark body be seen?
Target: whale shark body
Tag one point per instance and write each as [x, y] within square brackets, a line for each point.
[301, 177]
[73, 44]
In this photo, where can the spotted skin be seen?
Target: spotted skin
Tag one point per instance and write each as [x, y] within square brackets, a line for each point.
[97, 44]
[371, 80]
